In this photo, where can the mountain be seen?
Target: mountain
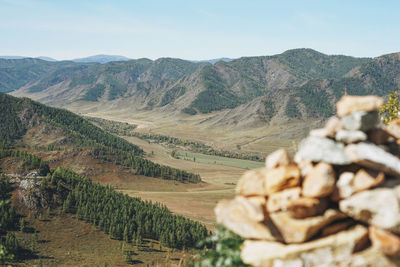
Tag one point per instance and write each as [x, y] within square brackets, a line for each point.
[101, 59]
[215, 60]
[47, 58]
[297, 84]
[30, 124]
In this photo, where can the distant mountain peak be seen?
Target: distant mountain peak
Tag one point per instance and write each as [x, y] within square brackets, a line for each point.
[101, 59]
[215, 60]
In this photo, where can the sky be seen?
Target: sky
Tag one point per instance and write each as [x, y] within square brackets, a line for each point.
[197, 30]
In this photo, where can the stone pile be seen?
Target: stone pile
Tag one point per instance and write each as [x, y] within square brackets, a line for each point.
[336, 203]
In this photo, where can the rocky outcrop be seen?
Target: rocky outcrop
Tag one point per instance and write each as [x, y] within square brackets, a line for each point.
[336, 204]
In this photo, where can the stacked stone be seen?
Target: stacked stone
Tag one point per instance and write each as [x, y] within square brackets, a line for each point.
[337, 203]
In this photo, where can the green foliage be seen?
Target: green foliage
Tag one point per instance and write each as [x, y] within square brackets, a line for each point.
[195, 146]
[291, 109]
[11, 127]
[122, 216]
[310, 64]
[31, 161]
[95, 92]
[391, 110]
[172, 94]
[269, 108]
[8, 220]
[225, 250]
[315, 98]
[116, 88]
[114, 127]
[216, 96]
[189, 110]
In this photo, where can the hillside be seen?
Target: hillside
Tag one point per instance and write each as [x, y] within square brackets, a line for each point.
[30, 124]
[177, 86]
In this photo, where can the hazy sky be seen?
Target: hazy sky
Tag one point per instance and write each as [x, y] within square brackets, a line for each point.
[201, 29]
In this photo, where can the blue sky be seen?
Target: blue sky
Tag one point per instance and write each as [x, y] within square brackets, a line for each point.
[197, 29]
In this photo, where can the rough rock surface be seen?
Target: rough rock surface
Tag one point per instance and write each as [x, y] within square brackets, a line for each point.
[277, 158]
[320, 182]
[282, 178]
[322, 149]
[299, 230]
[350, 104]
[252, 183]
[235, 216]
[362, 121]
[349, 137]
[329, 251]
[374, 157]
[379, 207]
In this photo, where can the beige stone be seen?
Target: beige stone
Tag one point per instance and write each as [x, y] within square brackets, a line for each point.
[374, 157]
[393, 128]
[333, 250]
[349, 104]
[320, 182]
[300, 230]
[305, 166]
[350, 183]
[277, 158]
[282, 178]
[364, 180]
[280, 200]
[379, 207]
[235, 216]
[332, 126]
[306, 207]
[252, 183]
[385, 241]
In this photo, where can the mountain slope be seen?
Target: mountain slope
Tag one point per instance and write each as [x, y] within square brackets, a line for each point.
[297, 84]
[32, 124]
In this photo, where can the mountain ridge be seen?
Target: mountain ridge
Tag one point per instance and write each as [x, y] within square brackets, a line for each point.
[283, 87]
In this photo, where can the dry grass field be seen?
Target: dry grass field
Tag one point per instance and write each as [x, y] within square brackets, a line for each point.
[219, 174]
[63, 240]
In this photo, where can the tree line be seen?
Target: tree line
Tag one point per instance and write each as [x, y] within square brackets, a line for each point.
[81, 132]
[120, 216]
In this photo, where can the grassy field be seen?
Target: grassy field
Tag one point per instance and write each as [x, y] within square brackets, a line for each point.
[63, 240]
[210, 159]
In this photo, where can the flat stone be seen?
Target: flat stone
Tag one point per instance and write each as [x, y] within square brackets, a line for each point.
[385, 241]
[321, 149]
[393, 128]
[277, 158]
[350, 104]
[300, 230]
[252, 183]
[307, 207]
[362, 121]
[348, 137]
[235, 216]
[282, 178]
[374, 157]
[379, 207]
[364, 180]
[333, 250]
[279, 201]
[332, 126]
[320, 182]
[350, 183]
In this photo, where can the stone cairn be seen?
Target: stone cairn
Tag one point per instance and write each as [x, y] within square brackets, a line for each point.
[337, 203]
